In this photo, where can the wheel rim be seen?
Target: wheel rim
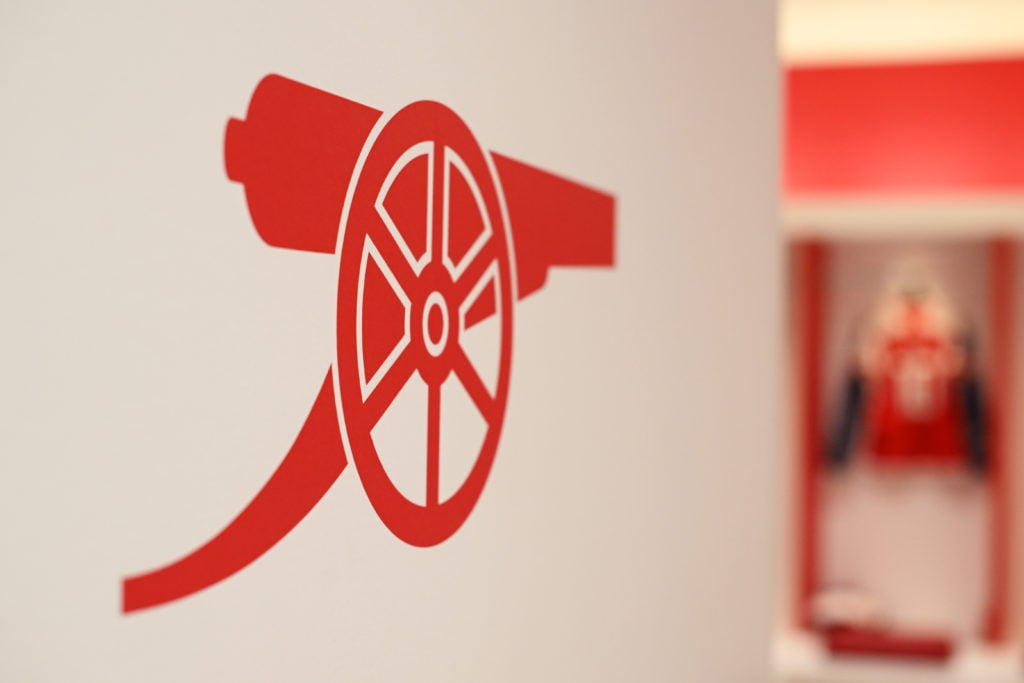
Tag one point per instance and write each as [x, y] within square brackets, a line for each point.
[424, 258]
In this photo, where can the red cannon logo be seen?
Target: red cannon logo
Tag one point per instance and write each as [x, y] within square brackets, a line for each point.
[435, 238]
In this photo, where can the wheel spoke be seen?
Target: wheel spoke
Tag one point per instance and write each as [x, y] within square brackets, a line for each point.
[474, 271]
[433, 442]
[474, 386]
[393, 257]
[439, 197]
[388, 389]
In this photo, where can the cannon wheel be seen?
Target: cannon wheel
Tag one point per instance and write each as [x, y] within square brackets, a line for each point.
[425, 184]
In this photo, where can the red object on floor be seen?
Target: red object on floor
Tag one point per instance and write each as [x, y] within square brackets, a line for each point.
[868, 642]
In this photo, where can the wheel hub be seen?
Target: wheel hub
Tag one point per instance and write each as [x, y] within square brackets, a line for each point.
[435, 324]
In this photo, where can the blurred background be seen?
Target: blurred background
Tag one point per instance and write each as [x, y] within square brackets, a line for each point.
[902, 214]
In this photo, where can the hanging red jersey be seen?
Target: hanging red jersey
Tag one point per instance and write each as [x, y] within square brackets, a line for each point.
[912, 391]
[914, 411]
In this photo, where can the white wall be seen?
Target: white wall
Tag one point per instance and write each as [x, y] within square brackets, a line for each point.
[159, 358]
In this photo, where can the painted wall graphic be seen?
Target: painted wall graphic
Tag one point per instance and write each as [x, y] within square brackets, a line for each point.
[435, 239]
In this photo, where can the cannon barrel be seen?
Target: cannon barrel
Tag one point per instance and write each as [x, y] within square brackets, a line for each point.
[297, 149]
[295, 153]
[555, 222]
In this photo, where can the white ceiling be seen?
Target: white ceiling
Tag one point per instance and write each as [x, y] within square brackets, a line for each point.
[843, 31]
